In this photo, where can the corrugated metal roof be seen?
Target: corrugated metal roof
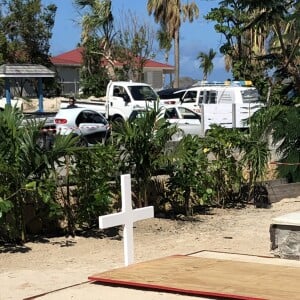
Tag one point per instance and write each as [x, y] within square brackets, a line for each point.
[25, 70]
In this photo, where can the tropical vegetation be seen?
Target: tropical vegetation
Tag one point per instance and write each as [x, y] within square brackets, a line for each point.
[142, 144]
[25, 34]
[223, 169]
[103, 38]
[169, 14]
[206, 62]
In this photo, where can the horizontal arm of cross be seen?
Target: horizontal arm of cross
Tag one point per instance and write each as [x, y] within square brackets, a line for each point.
[113, 220]
[143, 213]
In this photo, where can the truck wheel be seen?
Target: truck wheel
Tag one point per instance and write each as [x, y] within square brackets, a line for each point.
[117, 122]
[118, 119]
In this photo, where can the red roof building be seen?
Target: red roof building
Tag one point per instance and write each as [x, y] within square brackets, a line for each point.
[68, 66]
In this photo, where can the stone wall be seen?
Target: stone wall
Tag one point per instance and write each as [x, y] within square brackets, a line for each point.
[280, 189]
[285, 241]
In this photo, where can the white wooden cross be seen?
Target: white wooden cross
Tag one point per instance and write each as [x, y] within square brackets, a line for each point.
[126, 217]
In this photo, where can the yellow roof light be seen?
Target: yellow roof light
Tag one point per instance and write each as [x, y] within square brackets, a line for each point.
[248, 83]
[242, 83]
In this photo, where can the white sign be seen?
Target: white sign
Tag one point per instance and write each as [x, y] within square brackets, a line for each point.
[126, 217]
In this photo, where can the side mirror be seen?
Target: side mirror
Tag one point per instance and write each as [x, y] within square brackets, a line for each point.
[126, 98]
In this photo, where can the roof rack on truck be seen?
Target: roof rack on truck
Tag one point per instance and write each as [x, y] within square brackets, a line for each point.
[242, 83]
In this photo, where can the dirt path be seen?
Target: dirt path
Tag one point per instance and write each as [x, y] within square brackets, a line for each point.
[54, 263]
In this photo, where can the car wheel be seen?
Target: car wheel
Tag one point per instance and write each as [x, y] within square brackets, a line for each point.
[45, 141]
[82, 142]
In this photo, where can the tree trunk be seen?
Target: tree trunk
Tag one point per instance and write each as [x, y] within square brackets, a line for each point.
[187, 205]
[19, 230]
[176, 56]
[297, 84]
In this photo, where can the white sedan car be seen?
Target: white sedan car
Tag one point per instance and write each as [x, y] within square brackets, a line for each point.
[186, 120]
[91, 126]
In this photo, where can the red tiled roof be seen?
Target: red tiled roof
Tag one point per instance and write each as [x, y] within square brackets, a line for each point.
[155, 64]
[74, 57]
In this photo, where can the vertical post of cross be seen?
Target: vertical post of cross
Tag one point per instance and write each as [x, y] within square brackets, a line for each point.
[126, 217]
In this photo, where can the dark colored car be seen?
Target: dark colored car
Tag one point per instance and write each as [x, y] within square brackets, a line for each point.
[173, 95]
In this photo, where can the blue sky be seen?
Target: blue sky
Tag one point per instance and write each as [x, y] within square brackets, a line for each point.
[194, 37]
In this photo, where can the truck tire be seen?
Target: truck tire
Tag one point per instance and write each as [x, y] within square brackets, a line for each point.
[117, 122]
[118, 119]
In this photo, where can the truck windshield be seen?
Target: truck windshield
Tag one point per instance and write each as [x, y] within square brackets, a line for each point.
[250, 95]
[142, 93]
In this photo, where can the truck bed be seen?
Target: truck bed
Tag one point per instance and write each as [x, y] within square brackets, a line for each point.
[95, 104]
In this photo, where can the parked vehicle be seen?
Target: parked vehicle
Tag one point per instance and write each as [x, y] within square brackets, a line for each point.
[15, 102]
[122, 97]
[90, 125]
[48, 130]
[171, 96]
[187, 121]
[228, 104]
[235, 92]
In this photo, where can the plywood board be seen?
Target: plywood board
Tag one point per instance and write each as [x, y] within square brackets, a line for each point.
[217, 278]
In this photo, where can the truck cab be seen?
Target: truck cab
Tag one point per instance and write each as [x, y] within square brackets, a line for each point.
[122, 97]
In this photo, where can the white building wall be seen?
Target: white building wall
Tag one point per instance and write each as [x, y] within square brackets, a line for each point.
[69, 78]
[154, 78]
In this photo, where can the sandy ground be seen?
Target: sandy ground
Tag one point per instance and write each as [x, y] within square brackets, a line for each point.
[49, 104]
[59, 267]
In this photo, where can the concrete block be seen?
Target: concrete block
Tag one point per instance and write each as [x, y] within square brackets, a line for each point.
[285, 236]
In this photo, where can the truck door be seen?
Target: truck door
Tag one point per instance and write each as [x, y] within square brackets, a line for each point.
[190, 100]
[119, 103]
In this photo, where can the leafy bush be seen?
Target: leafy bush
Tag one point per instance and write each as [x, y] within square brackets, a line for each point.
[26, 170]
[92, 172]
[142, 144]
[190, 183]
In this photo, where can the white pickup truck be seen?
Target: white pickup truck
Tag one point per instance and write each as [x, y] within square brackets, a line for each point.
[122, 97]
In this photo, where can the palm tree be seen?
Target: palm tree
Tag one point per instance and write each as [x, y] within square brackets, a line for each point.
[206, 62]
[279, 20]
[281, 123]
[97, 24]
[169, 13]
[165, 43]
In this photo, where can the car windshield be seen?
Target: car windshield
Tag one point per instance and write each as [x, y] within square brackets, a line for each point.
[250, 95]
[142, 93]
[190, 97]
